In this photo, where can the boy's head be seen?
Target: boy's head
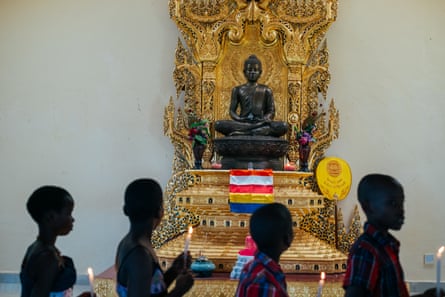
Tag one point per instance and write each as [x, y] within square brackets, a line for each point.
[143, 200]
[271, 227]
[381, 197]
[47, 199]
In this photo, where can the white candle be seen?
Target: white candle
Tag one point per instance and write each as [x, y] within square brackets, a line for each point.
[321, 283]
[188, 238]
[438, 267]
[91, 279]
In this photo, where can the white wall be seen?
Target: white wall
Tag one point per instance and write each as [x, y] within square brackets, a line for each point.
[83, 86]
[388, 79]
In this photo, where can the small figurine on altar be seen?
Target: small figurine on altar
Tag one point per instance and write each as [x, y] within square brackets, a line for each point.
[244, 256]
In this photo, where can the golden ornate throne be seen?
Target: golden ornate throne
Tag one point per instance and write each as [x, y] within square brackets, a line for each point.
[289, 37]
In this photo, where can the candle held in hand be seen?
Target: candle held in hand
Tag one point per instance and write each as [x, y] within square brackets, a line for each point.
[438, 267]
[321, 283]
[91, 280]
[187, 244]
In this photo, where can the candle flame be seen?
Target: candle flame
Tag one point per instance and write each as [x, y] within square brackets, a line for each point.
[190, 230]
[440, 251]
[323, 276]
[91, 279]
[90, 272]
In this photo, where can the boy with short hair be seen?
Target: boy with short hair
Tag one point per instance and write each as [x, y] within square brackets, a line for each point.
[373, 264]
[45, 271]
[271, 229]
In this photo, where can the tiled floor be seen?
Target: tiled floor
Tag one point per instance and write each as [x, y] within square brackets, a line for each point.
[13, 289]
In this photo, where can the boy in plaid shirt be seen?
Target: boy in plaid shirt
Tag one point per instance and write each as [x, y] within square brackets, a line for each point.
[373, 265]
[271, 229]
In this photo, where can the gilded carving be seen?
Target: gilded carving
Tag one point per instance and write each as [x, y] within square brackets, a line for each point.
[289, 37]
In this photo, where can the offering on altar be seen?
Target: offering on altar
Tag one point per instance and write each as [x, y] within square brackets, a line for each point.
[203, 267]
[290, 166]
[216, 165]
[244, 256]
[250, 247]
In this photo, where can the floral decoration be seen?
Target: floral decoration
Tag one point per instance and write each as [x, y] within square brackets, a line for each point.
[199, 132]
[306, 135]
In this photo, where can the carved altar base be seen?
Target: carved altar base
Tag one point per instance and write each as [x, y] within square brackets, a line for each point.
[220, 285]
[220, 234]
[261, 151]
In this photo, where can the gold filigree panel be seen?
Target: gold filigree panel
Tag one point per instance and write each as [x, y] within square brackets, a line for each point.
[289, 37]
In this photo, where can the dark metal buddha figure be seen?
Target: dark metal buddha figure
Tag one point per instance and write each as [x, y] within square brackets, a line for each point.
[252, 136]
[256, 107]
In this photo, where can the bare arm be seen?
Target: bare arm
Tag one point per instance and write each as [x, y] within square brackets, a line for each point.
[179, 272]
[177, 267]
[44, 272]
[138, 273]
[184, 282]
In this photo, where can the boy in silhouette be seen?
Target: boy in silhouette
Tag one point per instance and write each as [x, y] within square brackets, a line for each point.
[45, 271]
[271, 229]
[373, 264]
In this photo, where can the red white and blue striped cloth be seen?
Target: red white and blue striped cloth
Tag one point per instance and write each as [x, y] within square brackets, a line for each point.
[249, 189]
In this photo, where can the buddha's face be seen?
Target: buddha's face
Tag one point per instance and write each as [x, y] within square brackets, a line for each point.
[252, 71]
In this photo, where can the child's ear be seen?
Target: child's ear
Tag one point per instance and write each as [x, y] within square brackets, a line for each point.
[49, 216]
[160, 213]
[366, 206]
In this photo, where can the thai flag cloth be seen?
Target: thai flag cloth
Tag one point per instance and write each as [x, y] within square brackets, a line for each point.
[250, 189]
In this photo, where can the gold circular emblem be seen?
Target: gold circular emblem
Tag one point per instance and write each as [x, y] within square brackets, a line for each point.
[334, 178]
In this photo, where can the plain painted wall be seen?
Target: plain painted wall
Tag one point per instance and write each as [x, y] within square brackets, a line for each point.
[83, 86]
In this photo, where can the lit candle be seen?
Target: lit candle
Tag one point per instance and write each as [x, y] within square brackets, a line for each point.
[438, 267]
[321, 283]
[187, 243]
[289, 166]
[91, 279]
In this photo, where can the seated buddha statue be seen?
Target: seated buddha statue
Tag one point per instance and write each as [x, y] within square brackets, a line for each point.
[256, 107]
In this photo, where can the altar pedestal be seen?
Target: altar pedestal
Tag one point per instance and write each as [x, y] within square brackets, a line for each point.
[220, 233]
[260, 152]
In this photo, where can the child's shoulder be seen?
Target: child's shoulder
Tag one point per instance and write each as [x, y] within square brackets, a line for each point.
[132, 250]
[39, 256]
[39, 248]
